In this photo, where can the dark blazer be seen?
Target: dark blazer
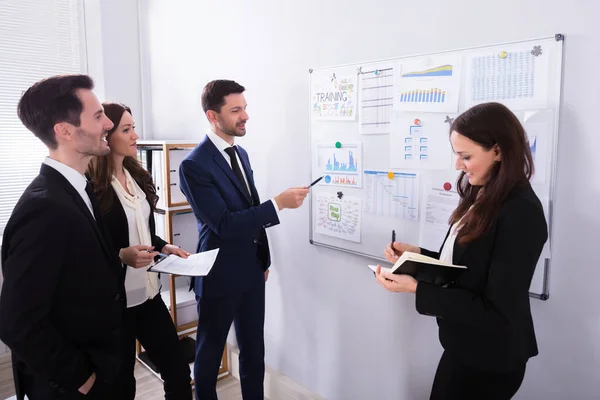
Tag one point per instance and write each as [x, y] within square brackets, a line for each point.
[227, 219]
[63, 298]
[117, 226]
[484, 317]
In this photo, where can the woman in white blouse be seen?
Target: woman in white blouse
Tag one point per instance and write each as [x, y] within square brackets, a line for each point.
[128, 199]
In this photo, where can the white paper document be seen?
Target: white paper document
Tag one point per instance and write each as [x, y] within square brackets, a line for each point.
[341, 166]
[439, 203]
[334, 98]
[392, 194]
[198, 264]
[429, 84]
[376, 99]
[421, 142]
[339, 216]
[537, 136]
[515, 75]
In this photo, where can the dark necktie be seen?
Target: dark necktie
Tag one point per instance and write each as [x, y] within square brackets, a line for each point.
[94, 201]
[235, 166]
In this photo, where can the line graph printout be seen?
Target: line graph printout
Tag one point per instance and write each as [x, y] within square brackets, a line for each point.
[392, 194]
[429, 84]
[338, 216]
[376, 96]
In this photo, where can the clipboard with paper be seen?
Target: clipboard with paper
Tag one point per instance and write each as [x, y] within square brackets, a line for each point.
[198, 264]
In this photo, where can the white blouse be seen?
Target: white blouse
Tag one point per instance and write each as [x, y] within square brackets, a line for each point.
[448, 247]
[140, 285]
[447, 252]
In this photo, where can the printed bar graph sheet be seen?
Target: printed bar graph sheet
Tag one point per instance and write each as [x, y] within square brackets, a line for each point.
[340, 166]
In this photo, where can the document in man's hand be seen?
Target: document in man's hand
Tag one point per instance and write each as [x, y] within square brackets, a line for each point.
[425, 269]
[198, 264]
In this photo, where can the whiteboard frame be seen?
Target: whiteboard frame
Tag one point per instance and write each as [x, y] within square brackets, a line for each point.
[545, 295]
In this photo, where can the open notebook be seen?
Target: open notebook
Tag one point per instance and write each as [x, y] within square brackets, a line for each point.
[424, 268]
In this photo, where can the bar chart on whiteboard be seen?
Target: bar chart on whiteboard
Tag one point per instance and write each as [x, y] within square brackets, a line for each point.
[340, 164]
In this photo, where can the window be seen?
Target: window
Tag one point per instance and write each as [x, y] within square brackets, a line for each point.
[37, 39]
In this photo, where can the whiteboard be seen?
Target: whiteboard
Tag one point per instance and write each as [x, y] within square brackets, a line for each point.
[379, 136]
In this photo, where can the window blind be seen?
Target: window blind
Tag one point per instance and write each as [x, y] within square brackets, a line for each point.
[38, 39]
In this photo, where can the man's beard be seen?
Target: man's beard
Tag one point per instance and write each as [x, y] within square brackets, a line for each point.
[91, 147]
[234, 131]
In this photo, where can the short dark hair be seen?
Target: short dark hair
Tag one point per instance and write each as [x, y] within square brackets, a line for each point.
[51, 101]
[213, 94]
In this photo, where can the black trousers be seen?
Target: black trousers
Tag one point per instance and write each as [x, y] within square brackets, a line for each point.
[151, 324]
[455, 380]
[36, 389]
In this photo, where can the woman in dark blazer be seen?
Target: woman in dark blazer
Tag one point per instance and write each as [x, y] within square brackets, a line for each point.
[498, 232]
[128, 199]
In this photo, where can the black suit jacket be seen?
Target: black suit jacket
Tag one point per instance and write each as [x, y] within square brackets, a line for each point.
[63, 299]
[117, 226]
[484, 317]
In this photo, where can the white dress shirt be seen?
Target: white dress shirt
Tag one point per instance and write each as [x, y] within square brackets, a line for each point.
[221, 145]
[76, 180]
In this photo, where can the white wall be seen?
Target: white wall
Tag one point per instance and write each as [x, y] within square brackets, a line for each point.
[329, 326]
[114, 52]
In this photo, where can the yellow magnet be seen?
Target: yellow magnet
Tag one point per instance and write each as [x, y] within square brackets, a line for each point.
[391, 175]
[503, 54]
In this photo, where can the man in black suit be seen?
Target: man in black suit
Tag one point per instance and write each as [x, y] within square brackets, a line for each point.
[63, 299]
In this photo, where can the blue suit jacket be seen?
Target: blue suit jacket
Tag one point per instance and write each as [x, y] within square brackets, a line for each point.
[227, 219]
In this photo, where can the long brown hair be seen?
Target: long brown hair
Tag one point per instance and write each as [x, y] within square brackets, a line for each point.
[102, 168]
[489, 125]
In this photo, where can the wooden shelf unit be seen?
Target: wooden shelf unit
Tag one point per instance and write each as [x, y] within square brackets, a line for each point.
[162, 159]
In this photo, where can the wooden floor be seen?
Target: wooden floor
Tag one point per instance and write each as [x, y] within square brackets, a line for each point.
[7, 388]
[149, 387]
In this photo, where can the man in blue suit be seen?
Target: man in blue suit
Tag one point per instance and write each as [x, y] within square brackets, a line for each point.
[218, 182]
